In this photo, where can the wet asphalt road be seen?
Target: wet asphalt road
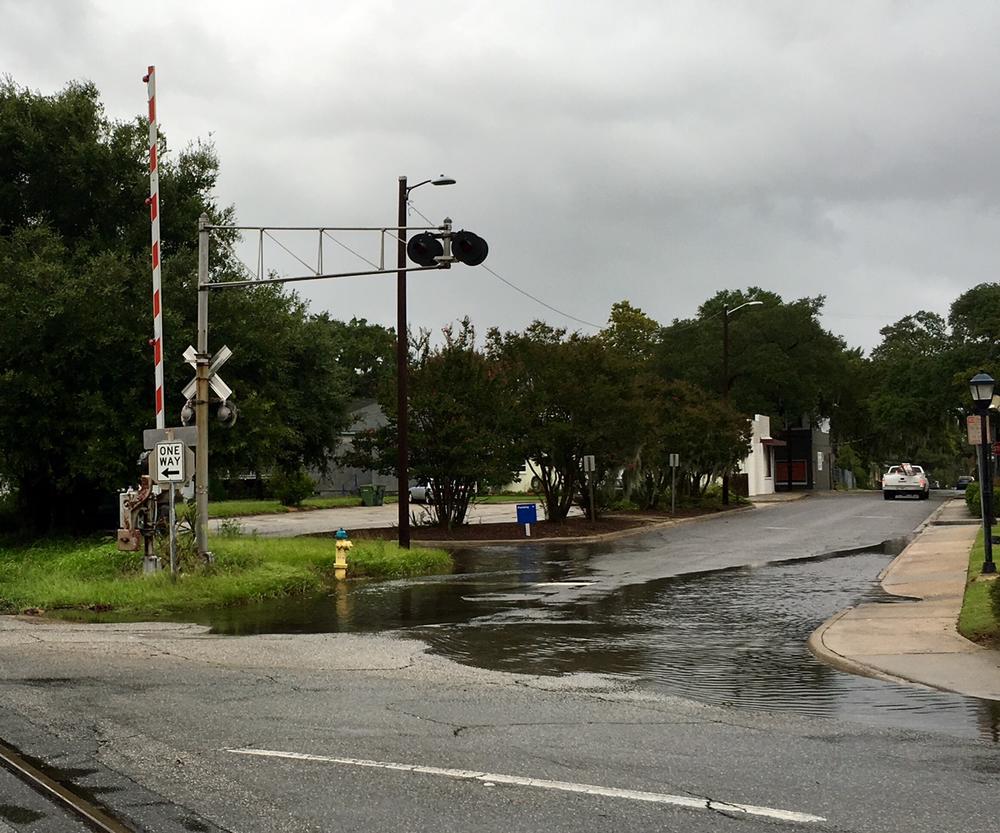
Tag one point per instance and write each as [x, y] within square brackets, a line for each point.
[154, 713]
[21, 808]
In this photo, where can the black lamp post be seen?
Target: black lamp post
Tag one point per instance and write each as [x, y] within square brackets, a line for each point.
[982, 385]
[402, 364]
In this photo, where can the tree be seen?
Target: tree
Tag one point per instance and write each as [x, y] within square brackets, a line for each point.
[292, 394]
[366, 351]
[462, 426]
[782, 361]
[975, 317]
[75, 315]
[710, 436]
[574, 397]
[631, 333]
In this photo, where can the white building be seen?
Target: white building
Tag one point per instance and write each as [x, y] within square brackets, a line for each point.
[759, 465]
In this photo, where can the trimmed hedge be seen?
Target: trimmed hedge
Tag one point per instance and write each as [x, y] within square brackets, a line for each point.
[972, 500]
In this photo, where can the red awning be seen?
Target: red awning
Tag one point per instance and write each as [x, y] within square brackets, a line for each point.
[769, 441]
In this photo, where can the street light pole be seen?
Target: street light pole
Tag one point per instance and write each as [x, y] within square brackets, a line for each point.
[726, 381]
[981, 386]
[402, 375]
[402, 362]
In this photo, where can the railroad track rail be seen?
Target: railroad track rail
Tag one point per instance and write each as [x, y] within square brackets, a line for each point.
[58, 793]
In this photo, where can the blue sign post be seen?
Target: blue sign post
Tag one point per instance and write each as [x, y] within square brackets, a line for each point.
[527, 514]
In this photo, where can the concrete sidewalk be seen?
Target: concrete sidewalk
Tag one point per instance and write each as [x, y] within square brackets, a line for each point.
[290, 524]
[916, 641]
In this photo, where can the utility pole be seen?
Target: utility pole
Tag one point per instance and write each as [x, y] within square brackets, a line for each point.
[726, 312]
[725, 391]
[402, 375]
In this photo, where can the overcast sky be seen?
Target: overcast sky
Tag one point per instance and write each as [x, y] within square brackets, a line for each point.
[649, 151]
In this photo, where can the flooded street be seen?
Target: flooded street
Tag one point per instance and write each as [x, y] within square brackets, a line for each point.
[735, 637]
[672, 664]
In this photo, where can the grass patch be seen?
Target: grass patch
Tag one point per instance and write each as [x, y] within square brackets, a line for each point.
[977, 620]
[89, 575]
[236, 508]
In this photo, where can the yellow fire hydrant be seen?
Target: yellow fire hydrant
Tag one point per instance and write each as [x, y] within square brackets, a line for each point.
[343, 547]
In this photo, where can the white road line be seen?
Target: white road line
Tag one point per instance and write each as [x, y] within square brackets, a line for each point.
[564, 583]
[783, 528]
[690, 802]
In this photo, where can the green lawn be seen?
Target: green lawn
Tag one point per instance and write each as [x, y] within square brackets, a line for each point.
[977, 620]
[234, 508]
[54, 575]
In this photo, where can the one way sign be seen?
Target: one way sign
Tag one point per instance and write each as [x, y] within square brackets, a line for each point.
[169, 463]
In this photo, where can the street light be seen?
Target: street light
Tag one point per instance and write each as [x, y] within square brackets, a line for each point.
[726, 381]
[981, 385]
[402, 365]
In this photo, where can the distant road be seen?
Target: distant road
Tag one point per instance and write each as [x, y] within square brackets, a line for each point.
[313, 521]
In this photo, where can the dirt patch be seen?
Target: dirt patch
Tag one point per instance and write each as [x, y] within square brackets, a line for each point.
[511, 531]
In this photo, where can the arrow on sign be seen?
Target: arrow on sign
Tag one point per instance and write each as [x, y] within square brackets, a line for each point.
[171, 473]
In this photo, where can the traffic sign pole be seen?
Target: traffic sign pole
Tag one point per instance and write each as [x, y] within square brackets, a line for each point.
[675, 460]
[173, 535]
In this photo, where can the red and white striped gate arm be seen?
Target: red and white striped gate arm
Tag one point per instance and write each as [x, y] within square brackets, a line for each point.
[154, 218]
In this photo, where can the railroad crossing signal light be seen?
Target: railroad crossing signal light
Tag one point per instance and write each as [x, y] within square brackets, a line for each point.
[227, 414]
[423, 248]
[469, 248]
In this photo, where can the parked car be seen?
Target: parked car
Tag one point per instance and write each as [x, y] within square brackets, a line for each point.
[963, 482]
[905, 479]
[421, 494]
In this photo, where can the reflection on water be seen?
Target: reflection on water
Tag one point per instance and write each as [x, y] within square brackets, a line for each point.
[729, 638]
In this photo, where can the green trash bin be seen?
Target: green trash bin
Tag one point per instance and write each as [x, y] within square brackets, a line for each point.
[367, 495]
[379, 495]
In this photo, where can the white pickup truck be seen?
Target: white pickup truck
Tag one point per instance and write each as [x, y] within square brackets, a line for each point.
[905, 479]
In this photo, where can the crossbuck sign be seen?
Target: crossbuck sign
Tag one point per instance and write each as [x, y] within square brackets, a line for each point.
[221, 389]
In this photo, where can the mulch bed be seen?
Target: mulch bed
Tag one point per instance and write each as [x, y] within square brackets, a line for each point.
[570, 528]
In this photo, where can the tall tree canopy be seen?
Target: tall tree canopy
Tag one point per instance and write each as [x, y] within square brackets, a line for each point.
[76, 320]
[782, 361]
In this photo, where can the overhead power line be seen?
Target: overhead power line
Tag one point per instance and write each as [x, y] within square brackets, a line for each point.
[514, 286]
[540, 301]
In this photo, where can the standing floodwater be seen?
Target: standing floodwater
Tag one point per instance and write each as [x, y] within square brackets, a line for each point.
[734, 637]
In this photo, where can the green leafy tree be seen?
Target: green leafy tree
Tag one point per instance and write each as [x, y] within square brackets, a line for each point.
[463, 432]
[913, 405]
[574, 397]
[631, 333]
[76, 375]
[782, 361]
[367, 352]
[710, 437]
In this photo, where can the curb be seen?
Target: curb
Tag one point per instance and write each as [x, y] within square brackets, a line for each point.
[816, 642]
[589, 539]
[817, 647]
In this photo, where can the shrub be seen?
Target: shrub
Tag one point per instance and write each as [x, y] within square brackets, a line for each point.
[291, 488]
[972, 500]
